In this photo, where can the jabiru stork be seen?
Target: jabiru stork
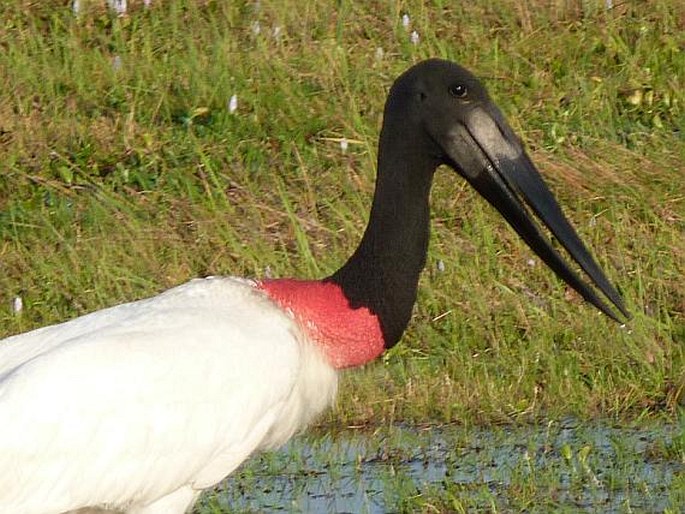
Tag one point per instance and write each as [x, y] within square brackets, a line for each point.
[139, 407]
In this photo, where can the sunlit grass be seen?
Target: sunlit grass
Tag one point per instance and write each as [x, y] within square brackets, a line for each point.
[124, 170]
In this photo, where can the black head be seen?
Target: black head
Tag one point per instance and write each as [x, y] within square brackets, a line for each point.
[440, 112]
[433, 95]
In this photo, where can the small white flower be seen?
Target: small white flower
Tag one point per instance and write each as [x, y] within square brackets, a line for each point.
[344, 144]
[609, 4]
[379, 54]
[118, 6]
[256, 28]
[76, 7]
[531, 263]
[593, 221]
[405, 21]
[414, 37]
[116, 63]
[441, 266]
[233, 104]
[147, 3]
[17, 305]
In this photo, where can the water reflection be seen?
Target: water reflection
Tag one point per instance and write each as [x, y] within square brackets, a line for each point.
[587, 467]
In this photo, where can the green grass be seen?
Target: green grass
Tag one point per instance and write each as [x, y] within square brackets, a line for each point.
[118, 181]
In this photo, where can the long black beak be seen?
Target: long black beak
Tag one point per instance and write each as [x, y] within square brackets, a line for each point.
[499, 169]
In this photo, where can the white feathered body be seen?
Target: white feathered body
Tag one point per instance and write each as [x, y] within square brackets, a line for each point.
[141, 406]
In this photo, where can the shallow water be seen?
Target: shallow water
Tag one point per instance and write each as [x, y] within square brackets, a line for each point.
[581, 467]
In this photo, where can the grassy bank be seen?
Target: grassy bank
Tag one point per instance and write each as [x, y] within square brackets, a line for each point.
[123, 171]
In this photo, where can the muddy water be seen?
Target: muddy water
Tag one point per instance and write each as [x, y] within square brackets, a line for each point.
[567, 465]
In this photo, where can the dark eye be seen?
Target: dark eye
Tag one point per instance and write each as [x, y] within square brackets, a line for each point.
[458, 90]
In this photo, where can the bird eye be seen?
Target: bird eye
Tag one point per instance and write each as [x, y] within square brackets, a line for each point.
[458, 90]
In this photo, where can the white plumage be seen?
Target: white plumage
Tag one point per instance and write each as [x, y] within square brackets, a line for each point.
[155, 399]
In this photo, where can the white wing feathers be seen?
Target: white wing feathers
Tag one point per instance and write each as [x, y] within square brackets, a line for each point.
[129, 404]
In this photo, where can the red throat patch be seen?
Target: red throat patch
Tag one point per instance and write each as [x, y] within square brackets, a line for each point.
[349, 337]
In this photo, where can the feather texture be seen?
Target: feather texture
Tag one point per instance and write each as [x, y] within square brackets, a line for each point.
[156, 399]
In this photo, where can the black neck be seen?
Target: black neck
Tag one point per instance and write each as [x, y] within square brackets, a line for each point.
[383, 272]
